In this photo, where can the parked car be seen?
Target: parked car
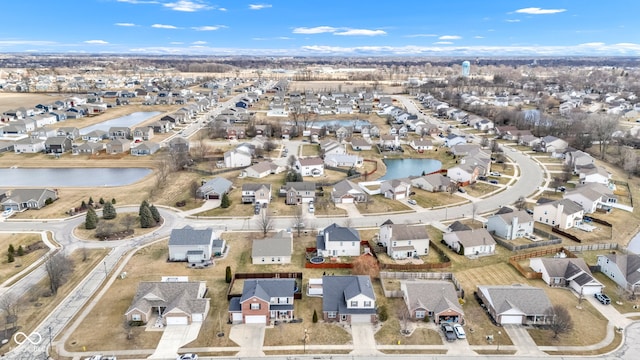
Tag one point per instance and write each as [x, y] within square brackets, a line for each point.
[495, 182]
[462, 190]
[187, 357]
[459, 331]
[495, 173]
[448, 332]
[604, 299]
[412, 202]
[312, 208]
[482, 178]
[529, 211]
[256, 209]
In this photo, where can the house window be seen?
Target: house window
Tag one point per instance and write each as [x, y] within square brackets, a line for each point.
[420, 314]
[136, 317]
[255, 306]
[332, 314]
[354, 304]
[367, 304]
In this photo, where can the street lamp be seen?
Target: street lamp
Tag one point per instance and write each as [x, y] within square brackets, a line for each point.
[106, 273]
[498, 341]
[50, 342]
[304, 342]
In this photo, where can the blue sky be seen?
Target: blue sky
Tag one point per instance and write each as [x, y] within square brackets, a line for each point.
[328, 27]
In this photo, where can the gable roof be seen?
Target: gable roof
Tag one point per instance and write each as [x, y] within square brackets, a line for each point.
[431, 295]
[217, 185]
[184, 296]
[265, 289]
[405, 232]
[281, 244]
[473, 237]
[629, 265]
[335, 232]
[526, 299]
[255, 186]
[191, 236]
[336, 290]
[521, 215]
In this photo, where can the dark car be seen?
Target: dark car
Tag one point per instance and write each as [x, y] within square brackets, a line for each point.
[604, 299]
[448, 331]
[493, 182]
[256, 209]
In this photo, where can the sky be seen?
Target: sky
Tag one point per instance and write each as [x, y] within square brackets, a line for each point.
[323, 28]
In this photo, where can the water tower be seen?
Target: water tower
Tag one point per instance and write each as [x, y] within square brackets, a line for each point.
[466, 68]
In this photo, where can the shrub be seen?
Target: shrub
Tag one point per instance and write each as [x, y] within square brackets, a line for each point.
[315, 316]
[383, 315]
[10, 257]
[91, 220]
[49, 201]
[227, 275]
[20, 251]
[155, 213]
[109, 212]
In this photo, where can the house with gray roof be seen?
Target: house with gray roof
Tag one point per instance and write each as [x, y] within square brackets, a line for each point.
[276, 249]
[516, 304]
[263, 301]
[88, 148]
[432, 183]
[348, 299]
[23, 199]
[256, 193]
[301, 192]
[511, 225]
[592, 196]
[432, 299]
[214, 188]
[623, 269]
[404, 241]
[29, 145]
[336, 240]
[573, 273]
[347, 192]
[262, 169]
[396, 189]
[170, 303]
[145, 148]
[474, 242]
[57, 145]
[192, 245]
[95, 135]
[563, 213]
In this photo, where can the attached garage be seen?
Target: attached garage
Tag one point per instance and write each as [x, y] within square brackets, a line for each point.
[236, 318]
[213, 196]
[361, 319]
[177, 320]
[255, 319]
[510, 319]
[347, 200]
[197, 317]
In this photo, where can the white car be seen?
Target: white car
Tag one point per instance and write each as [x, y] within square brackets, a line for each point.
[459, 331]
[312, 208]
[412, 202]
[494, 173]
[187, 357]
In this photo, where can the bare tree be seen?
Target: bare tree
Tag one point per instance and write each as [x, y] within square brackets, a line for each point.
[521, 203]
[264, 222]
[561, 322]
[602, 126]
[629, 161]
[57, 266]
[474, 210]
[291, 161]
[128, 221]
[10, 305]
[298, 220]
[365, 264]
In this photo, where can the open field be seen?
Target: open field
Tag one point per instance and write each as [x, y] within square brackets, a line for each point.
[9, 101]
[25, 240]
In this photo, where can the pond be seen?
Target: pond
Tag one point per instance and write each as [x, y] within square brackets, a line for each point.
[127, 121]
[401, 168]
[71, 177]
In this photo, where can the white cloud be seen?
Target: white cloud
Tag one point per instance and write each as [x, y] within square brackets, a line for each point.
[478, 37]
[450, 37]
[26, 42]
[208, 28]
[176, 43]
[200, 42]
[513, 20]
[187, 6]
[96, 42]
[138, 1]
[259, 6]
[222, 9]
[592, 44]
[360, 32]
[539, 11]
[163, 26]
[443, 43]
[271, 39]
[125, 24]
[421, 35]
[314, 30]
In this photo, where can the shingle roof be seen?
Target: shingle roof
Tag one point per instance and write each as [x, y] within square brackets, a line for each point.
[629, 265]
[473, 237]
[431, 295]
[406, 232]
[183, 296]
[265, 289]
[190, 236]
[281, 244]
[527, 299]
[216, 185]
[336, 290]
[335, 232]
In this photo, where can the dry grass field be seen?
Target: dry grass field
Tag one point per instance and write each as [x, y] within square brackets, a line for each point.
[25, 240]
[10, 101]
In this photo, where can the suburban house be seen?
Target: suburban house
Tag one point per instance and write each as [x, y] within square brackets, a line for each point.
[404, 241]
[299, 192]
[432, 299]
[214, 188]
[453, 139]
[312, 166]
[563, 213]
[349, 299]
[88, 147]
[95, 135]
[276, 249]
[396, 189]
[256, 193]
[263, 301]
[335, 240]
[593, 174]
[332, 147]
[23, 199]
[238, 157]
[347, 192]
[421, 145]
[510, 225]
[516, 304]
[119, 132]
[474, 242]
[261, 170]
[432, 183]
[142, 134]
[577, 159]
[552, 144]
[118, 146]
[145, 148]
[592, 196]
[623, 269]
[57, 145]
[29, 145]
[169, 303]
[360, 144]
[343, 160]
[192, 245]
[573, 273]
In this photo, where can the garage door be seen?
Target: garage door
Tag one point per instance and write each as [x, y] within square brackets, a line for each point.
[511, 319]
[347, 200]
[177, 320]
[236, 318]
[360, 319]
[255, 319]
[214, 196]
[590, 290]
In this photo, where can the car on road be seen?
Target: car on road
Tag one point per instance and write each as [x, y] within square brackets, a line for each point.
[493, 182]
[448, 331]
[495, 173]
[412, 202]
[460, 334]
[604, 299]
[256, 209]
[187, 357]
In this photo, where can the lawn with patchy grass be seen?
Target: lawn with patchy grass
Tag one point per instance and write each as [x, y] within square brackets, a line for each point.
[26, 240]
[380, 204]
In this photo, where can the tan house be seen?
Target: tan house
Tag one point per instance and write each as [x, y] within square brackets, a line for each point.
[169, 303]
[118, 146]
[432, 299]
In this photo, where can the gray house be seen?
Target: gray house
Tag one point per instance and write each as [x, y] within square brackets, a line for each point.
[348, 299]
[273, 250]
[214, 188]
[23, 199]
[57, 145]
[145, 148]
[174, 303]
[432, 299]
[194, 246]
[516, 304]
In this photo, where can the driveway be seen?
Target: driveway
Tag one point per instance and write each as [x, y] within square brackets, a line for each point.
[522, 340]
[173, 338]
[364, 343]
[250, 338]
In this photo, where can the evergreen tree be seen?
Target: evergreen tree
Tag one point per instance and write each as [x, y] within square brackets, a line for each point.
[11, 249]
[225, 203]
[143, 205]
[10, 257]
[90, 201]
[113, 201]
[383, 315]
[91, 220]
[146, 219]
[109, 212]
[315, 316]
[227, 275]
[101, 201]
[83, 205]
[20, 251]
[155, 213]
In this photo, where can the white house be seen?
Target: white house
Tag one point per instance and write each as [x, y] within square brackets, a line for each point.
[421, 145]
[403, 241]
[311, 166]
[472, 242]
[563, 213]
[343, 160]
[189, 244]
[623, 269]
[396, 189]
[237, 158]
[511, 225]
[335, 240]
[573, 273]
[29, 145]
[276, 249]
